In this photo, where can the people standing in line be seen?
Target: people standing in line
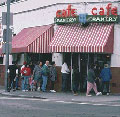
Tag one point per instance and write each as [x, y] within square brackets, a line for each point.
[37, 75]
[12, 75]
[106, 76]
[97, 75]
[45, 75]
[53, 76]
[65, 72]
[17, 77]
[26, 73]
[22, 78]
[75, 79]
[91, 82]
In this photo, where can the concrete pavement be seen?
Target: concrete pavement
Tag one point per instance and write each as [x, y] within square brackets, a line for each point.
[60, 96]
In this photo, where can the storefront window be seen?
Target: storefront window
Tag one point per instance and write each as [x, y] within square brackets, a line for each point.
[34, 57]
[103, 58]
[1, 60]
[16, 57]
[67, 58]
[86, 59]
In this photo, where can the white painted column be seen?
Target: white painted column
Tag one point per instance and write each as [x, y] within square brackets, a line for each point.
[10, 59]
[58, 58]
[115, 57]
[21, 60]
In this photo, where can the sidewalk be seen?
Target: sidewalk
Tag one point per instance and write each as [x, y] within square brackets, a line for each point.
[59, 96]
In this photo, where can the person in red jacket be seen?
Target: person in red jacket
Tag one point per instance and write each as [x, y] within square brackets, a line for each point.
[26, 73]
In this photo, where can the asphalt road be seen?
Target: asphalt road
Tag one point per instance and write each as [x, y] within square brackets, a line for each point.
[29, 107]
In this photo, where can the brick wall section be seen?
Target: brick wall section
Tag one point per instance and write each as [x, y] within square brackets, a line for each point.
[2, 74]
[115, 82]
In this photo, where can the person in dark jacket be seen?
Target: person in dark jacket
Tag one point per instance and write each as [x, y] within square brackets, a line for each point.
[106, 76]
[91, 81]
[75, 79]
[53, 76]
[37, 74]
[97, 75]
[32, 67]
[45, 75]
[12, 75]
[17, 77]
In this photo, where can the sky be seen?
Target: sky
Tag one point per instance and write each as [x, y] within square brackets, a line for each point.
[2, 1]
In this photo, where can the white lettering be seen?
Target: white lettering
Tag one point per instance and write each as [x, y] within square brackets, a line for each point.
[115, 19]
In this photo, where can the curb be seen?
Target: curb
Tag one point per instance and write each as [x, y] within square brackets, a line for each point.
[22, 96]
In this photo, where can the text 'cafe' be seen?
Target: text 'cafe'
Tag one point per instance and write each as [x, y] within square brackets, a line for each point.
[70, 15]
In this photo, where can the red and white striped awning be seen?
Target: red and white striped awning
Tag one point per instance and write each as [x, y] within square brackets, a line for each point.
[96, 37]
[34, 39]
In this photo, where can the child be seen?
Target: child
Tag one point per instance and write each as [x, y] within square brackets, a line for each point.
[31, 83]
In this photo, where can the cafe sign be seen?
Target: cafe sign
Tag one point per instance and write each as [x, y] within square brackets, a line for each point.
[70, 16]
[101, 18]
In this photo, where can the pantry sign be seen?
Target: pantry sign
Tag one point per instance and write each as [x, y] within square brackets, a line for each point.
[69, 15]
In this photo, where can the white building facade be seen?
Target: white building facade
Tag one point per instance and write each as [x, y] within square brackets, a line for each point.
[31, 13]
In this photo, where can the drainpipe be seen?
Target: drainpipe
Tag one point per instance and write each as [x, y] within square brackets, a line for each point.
[88, 64]
[71, 71]
[79, 61]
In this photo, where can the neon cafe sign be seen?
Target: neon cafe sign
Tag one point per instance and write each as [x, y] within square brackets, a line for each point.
[69, 15]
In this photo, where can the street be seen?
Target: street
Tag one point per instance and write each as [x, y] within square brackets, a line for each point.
[33, 107]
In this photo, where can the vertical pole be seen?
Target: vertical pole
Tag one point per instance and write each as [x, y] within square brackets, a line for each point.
[7, 45]
[95, 58]
[87, 63]
[71, 71]
[79, 61]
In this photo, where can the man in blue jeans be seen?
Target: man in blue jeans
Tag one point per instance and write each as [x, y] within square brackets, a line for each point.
[106, 76]
[22, 78]
[45, 75]
[26, 72]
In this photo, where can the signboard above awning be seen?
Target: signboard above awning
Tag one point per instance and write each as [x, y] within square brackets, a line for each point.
[99, 15]
[88, 18]
[102, 18]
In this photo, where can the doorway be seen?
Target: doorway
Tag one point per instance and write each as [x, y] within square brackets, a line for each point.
[83, 60]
